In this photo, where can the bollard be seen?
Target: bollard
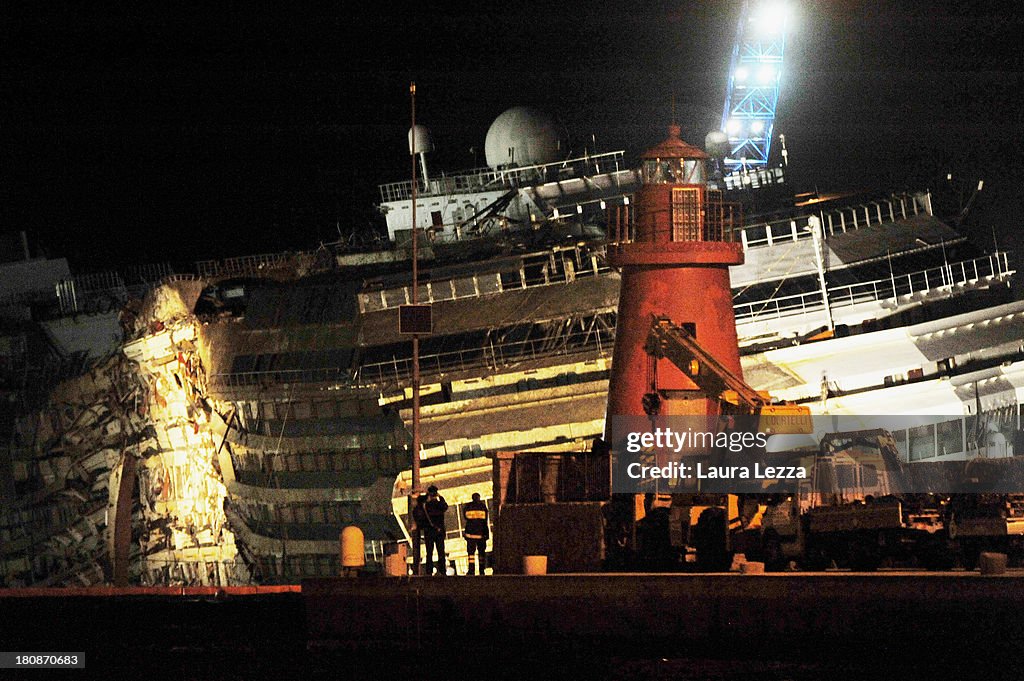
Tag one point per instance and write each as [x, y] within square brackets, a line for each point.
[752, 567]
[353, 548]
[992, 563]
[535, 565]
[395, 562]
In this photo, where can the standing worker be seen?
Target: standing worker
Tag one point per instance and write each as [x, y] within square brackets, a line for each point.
[476, 533]
[418, 529]
[435, 508]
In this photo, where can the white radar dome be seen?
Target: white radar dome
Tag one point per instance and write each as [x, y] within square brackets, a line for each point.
[423, 142]
[522, 137]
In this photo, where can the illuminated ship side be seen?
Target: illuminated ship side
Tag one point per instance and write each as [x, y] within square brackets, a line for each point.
[287, 423]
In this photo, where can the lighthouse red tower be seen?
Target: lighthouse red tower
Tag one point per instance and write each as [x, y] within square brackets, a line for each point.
[673, 247]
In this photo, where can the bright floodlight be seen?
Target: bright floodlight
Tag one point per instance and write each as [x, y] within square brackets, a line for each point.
[766, 74]
[733, 126]
[771, 17]
[741, 74]
[757, 126]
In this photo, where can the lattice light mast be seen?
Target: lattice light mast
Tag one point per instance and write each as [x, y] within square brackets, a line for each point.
[755, 74]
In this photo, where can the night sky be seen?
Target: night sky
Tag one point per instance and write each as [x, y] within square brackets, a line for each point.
[177, 135]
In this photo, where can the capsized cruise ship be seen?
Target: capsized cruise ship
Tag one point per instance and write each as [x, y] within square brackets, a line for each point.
[222, 426]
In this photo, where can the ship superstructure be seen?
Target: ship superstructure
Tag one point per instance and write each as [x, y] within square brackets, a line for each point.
[528, 182]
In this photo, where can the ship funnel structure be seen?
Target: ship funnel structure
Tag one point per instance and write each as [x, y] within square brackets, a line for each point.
[674, 246]
[420, 144]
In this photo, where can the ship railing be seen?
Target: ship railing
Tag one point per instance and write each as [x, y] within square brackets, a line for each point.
[81, 293]
[839, 220]
[490, 355]
[484, 179]
[248, 264]
[102, 290]
[562, 266]
[961, 273]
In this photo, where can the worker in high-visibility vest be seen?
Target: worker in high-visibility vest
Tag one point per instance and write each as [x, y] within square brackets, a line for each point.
[476, 532]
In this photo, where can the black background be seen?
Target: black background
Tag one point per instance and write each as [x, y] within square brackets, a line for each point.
[188, 133]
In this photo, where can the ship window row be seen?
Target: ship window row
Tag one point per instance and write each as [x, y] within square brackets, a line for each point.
[309, 409]
[291, 367]
[996, 434]
[271, 568]
[266, 519]
[360, 460]
[527, 385]
[500, 346]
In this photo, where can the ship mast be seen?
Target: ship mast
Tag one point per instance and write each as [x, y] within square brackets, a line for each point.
[415, 300]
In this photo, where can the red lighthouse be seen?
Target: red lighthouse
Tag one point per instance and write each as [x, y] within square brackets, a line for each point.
[673, 248]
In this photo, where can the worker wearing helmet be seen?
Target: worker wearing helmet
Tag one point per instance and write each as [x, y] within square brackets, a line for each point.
[476, 532]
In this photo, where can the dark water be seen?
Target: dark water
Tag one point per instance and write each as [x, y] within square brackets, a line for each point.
[265, 639]
[271, 660]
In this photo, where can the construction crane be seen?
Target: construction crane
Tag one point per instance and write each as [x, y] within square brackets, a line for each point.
[755, 75]
[675, 343]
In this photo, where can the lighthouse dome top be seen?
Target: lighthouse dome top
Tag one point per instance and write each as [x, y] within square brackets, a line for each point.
[674, 147]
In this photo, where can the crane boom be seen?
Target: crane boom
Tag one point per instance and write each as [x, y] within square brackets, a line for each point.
[676, 344]
[679, 347]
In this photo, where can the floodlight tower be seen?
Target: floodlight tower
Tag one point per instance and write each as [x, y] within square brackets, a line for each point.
[755, 74]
